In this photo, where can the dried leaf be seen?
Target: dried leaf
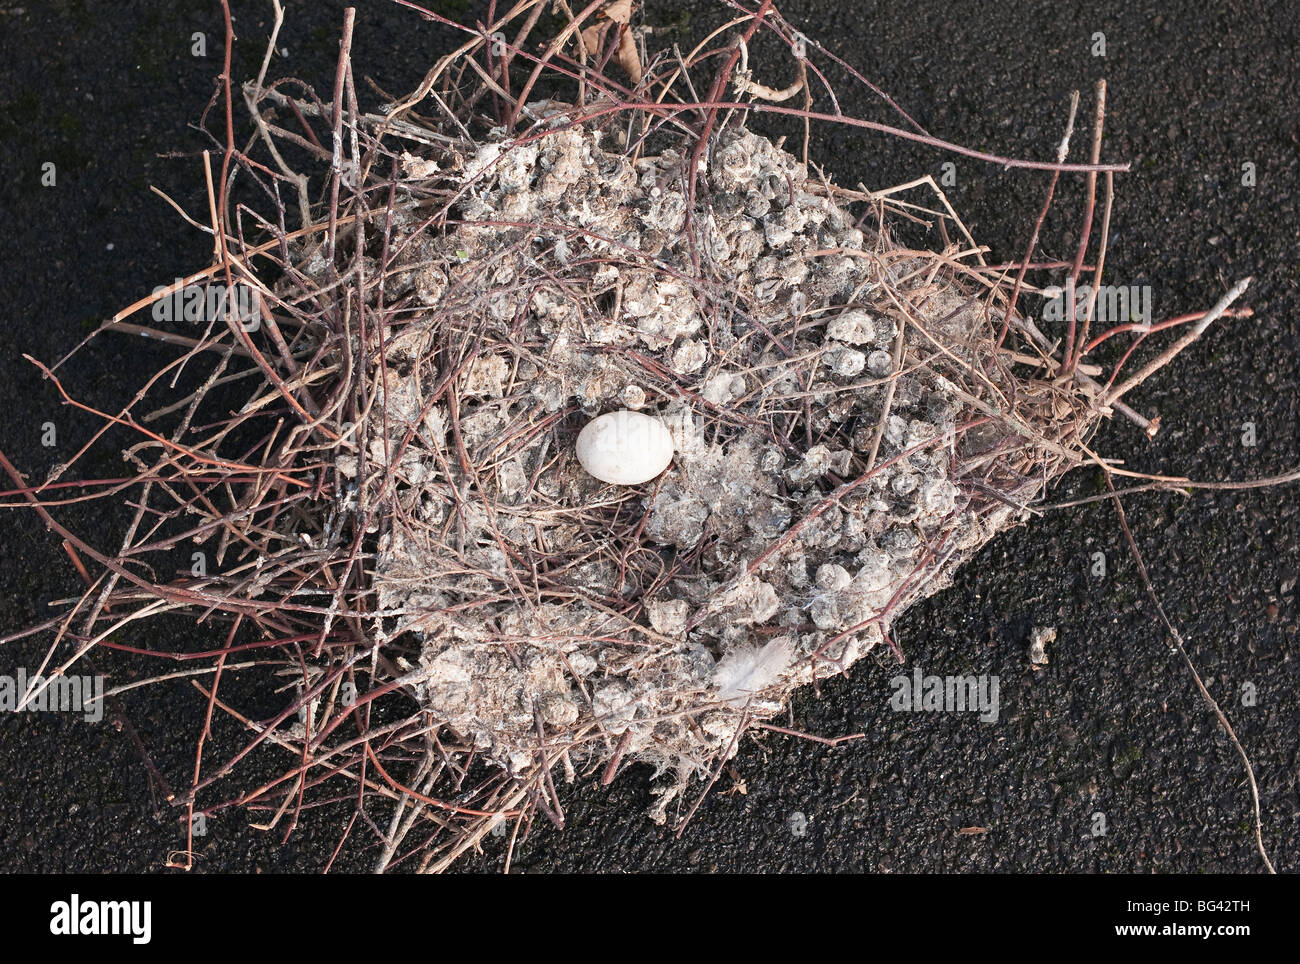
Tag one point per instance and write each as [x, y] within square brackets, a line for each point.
[615, 15]
[627, 55]
[620, 11]
[591, 38]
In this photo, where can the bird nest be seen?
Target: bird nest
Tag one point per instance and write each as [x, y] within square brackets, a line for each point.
[844, 430]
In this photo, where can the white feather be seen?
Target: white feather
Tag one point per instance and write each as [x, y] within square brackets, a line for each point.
[748, 670]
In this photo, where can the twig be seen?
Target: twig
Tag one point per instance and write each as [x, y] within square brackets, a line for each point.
[1166, 356]
[1200, 685]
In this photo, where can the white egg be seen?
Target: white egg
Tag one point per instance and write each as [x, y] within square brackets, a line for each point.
[624, 448]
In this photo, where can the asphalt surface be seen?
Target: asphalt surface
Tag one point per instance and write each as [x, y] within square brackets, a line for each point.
[1106, 760]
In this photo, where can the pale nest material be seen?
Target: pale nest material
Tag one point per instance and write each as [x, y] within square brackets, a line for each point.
[657, 621]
